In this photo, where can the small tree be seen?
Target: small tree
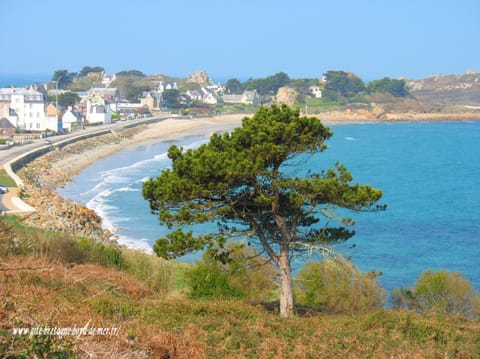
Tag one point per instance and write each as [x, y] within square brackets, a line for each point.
[174, 99]
[68, 99]
[394, 87]
[234, 86]
[63, 78]
[440, 292]
[336, 285]
[341, 84]
[245, 275]
[243, 182]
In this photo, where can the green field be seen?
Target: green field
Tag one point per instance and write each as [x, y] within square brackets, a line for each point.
[6, 179]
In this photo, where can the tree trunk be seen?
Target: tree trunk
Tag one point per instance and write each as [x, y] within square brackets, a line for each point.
[286, 285]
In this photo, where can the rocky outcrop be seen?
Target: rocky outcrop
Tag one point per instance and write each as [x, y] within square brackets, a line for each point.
[199, 77]
[450, 89]
[286, 95]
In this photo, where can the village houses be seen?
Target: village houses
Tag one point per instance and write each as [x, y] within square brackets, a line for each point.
[26, 109]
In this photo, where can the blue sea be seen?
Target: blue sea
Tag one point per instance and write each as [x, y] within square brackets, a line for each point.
[429, 174]
[22, 80]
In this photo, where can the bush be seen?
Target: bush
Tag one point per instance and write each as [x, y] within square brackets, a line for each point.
[207, 280]
[439, 292]
[335, 285]
[245, 275]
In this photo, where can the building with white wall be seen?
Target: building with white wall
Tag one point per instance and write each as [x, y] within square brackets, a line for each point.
[27, 109]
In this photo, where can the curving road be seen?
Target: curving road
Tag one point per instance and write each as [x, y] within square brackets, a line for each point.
[10, 202]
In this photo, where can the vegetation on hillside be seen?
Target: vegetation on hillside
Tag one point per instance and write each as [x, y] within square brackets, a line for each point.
[56, 281]
[341, 90]
[243, 182]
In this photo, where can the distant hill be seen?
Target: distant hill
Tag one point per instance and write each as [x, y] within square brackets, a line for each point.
[448, 89]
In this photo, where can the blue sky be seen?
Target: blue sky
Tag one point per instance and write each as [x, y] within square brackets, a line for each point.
[247, 38]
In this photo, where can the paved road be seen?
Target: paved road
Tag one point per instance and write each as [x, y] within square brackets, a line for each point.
[10, 202]
[7, 155]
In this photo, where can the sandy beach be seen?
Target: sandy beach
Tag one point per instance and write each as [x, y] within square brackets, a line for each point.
[168, 130]
[43, 176]
[178, 128]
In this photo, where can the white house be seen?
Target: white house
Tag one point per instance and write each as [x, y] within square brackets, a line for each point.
[98, 110]
[163, 85]
[70, 117]
[195, 95]
[27, 109]
[108, 79]
[315, 91]
[248, 97]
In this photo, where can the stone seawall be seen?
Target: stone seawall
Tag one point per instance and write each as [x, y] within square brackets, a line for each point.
[41, 175]
[31, 156]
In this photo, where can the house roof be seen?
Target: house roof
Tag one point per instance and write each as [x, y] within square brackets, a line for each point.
[5, 123]
[28, 94]
[110, 90]
[232, 98]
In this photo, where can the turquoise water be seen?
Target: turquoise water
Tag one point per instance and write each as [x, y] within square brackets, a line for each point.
[429, 174]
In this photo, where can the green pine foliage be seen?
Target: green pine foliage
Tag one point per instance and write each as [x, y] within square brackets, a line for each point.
[242, 182]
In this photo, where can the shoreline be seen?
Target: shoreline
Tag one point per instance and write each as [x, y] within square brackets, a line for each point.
[169, 130]
[43, 176]
[174, 129]
[46, 174]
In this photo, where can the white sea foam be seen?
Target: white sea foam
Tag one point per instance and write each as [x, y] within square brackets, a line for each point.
[114, 179]
[136, 243]
[98, 188]
[109, 197]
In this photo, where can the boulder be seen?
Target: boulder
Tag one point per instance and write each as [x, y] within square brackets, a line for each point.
[199, 77]
[286, 95]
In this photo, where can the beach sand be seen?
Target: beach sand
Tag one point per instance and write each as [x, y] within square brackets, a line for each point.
[168, 130]
[179, 128]
[56, 168]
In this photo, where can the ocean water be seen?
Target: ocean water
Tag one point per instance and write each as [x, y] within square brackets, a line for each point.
[22, 80]
[429, 174]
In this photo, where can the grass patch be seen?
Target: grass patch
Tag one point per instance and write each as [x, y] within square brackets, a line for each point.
[155, 273]
[315, 102]
[6, 179]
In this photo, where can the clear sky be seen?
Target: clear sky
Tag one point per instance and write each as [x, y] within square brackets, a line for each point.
[247, 38]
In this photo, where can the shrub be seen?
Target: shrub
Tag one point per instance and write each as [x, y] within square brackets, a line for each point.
[207, 280]
[440, 292]
[245, 274]
[335, 285]
[103, 254]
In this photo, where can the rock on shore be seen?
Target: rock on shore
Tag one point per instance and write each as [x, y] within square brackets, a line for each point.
[46, 173]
